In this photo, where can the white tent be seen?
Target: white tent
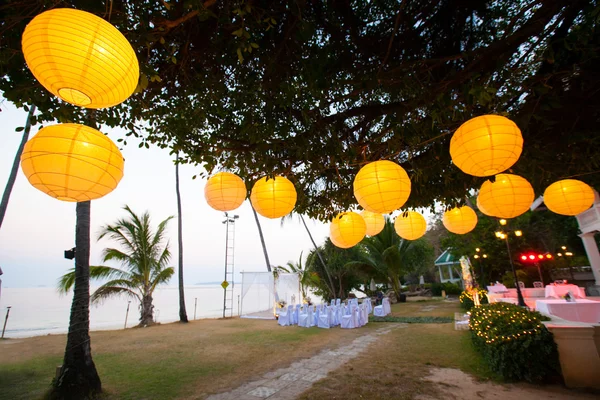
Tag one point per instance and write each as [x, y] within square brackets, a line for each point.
[261, 292]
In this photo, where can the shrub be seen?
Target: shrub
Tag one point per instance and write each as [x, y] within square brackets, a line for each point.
[449, 287]
[514, 342]
[466, 298]
[436, 289]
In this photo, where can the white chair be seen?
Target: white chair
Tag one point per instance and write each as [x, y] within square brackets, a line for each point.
[332, 303]
[324, 318]
[387, 308]
[361, 315]
[339, 313]
[368, 305]
[303, 317]
[348, 320]
[378, 311]
[521, 285]
[365, 314]
[538, 285]
[316, 315]
[284, 317]
[338, 302]
[296, 314]
[311, 315]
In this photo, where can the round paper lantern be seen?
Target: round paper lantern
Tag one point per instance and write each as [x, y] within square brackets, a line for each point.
[486, 145]
[411, 225]
[72, 162]
[483, 209]
[225, 191]
[347, 229]
[375, 222]
[80, 58]
[381, 187]
[460, 220]
[273, 197]
[508, 197]
[568, 197]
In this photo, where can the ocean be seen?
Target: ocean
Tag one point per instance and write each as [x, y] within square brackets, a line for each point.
[42, 311]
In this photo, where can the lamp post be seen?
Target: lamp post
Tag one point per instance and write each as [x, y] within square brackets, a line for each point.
[480, 256]
[504, 236]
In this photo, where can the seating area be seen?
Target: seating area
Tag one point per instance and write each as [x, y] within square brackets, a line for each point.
[347, 316]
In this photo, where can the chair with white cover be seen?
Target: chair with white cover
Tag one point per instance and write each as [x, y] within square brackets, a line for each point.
[368, 304]
[332, 303]
[295, 314]
[324, 318]
[333, 320]
[284, 316]
[378, 311]
[348, 320]
[361, 315]
[303, 317]
[316, 315]
[387, 308]
[521, 285]
[538, 285]
[338, 302]
[311, 315]
[365, 311]
[339, 313]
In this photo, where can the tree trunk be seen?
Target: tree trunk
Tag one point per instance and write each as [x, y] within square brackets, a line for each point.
[147, 311]
[78, 376]
[15, 168]
[331, 287]
[182, 313]
[262, 239]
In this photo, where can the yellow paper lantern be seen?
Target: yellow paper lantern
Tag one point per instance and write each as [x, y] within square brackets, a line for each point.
[381, 187]
[483, 209]
[508, 197]
[486, 145]
[72, 162]
[568, 197]
[347, 229]
[375, 222]
[410, 225]
[80, 58]
[460, 220]
[273, 197]
[225, 191]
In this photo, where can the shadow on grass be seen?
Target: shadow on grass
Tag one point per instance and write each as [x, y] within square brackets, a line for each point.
[30, 380]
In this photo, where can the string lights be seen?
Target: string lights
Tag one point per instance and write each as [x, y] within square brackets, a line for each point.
[492, 322]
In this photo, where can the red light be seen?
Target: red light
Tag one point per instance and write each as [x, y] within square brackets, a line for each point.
[524, 258]
[531, 257]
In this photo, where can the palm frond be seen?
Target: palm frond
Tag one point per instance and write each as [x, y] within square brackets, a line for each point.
[66, 282]
[108, 290]
[162, 277]
[104, 272]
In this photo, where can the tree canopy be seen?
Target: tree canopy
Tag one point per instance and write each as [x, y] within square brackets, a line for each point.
[313, 90]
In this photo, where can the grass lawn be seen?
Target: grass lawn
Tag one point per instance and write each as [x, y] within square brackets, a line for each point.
[210, 356]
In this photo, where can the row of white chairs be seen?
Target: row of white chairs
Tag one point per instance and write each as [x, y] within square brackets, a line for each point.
[352, 315]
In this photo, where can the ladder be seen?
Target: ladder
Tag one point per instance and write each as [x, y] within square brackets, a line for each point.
[228, 283]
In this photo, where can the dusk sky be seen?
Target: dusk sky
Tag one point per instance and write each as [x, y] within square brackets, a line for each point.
[37, 228]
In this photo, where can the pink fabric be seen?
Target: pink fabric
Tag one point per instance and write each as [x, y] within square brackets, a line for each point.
[559, 291]
[580, 311]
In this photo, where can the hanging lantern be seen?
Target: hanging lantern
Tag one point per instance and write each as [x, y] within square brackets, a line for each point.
[273, 197]
[482, 209]
[347, 229]
[410, 225]
[225, 191]
[375, 222]
[460, 220]
[508, 197]
[568, 197]
[72, 162]
[486, 145]
[80, 58]
[381, 187]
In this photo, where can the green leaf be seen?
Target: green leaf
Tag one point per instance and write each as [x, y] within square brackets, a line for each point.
[174, 60]
[240, 56]
[162, 40]
[255, 45]
[238, 32]
[273, 21]
[20, 129]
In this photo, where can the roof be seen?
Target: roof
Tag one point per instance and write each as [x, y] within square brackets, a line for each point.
[446, 258]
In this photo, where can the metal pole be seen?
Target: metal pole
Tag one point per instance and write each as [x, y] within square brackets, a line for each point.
[195, 306]
[5, 320]
[521, 301]
[239, 311]
[126, 314]
[540, 272]
[226, 242]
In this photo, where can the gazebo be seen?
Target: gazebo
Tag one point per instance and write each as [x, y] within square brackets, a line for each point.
[448, 267]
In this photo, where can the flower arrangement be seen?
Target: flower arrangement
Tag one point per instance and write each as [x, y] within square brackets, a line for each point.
[281, 303]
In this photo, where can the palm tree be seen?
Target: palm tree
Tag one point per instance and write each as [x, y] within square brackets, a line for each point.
[182, 312]
[144, 260]
[389, 257]
[15, 168]
[305, 277]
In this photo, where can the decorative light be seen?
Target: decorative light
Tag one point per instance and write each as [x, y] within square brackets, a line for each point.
[485, 256]
[80, 58]
[477, 249]
[568, 254]
[502, 222]
[72, 162]
[460, 220]
[568, 197]
[476, 256]
[410, 225]
[518, 233]
[381, 187]
[347, 229]
[375, 222]
[507, 197]
[486, 145]
[273, 197]
[225, 191]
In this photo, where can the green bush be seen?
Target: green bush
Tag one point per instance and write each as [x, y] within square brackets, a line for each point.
[466, 298]
[449, 287]
[514, 342]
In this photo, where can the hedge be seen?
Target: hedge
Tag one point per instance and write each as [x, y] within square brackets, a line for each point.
[466, 298]
[449, 287]
[514, 342]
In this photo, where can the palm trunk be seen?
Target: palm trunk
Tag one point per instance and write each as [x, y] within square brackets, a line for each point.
[15, 168]
[331, 287]
[78, 376]
[262, 239]
[182, 313]
[147, 311]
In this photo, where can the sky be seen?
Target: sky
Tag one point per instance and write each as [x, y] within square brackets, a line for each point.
[38, 228]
